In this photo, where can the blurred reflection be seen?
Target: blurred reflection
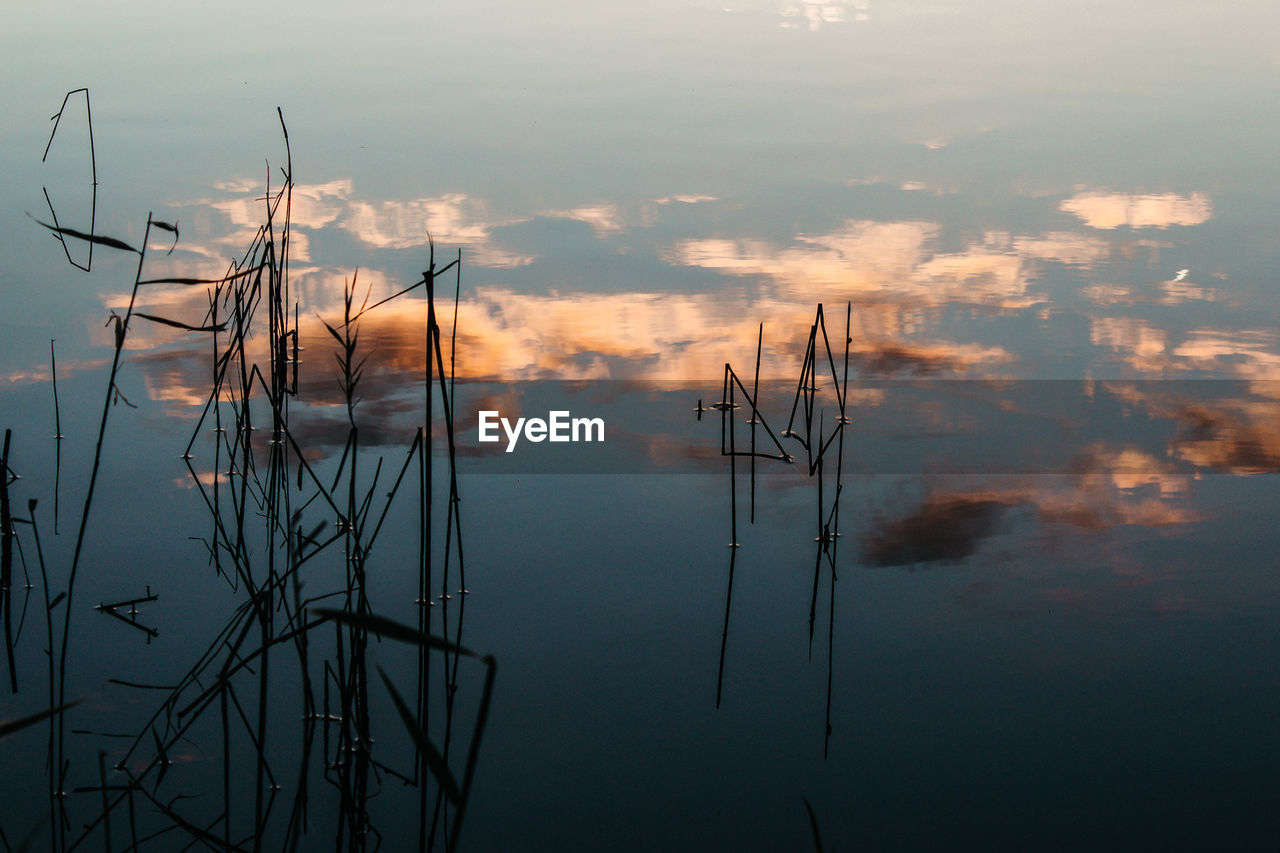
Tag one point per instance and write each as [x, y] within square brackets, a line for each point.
[1247, 354]
[1231, 428]
[923, 302]
[1112, 210]
[895, 261]
[806, 14]
[603, 218]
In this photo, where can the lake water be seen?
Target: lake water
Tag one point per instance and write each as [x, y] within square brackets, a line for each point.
[1027, 599]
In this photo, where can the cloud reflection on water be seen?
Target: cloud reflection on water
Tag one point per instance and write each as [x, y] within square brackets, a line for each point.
[1108, 488]
[1105, 210]
[894, 261]
[904, 278]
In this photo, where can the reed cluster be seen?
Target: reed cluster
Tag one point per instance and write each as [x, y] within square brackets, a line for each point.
[278, 524]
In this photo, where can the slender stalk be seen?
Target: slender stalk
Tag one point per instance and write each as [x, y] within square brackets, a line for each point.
[57, 435]
[48, 622]
[6, 562]
[121, 331]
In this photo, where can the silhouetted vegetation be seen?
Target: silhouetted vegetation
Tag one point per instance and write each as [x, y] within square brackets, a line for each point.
[278, 522]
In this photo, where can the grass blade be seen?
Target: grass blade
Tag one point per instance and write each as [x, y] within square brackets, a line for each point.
[17, 725]
[220, 327]
[110, 242]
[384, 627]
[813, 825]
[434, 760]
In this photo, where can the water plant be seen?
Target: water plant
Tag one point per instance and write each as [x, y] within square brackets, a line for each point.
[280, 517]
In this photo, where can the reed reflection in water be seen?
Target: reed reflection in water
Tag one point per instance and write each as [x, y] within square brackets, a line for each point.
[281, 520]
[294, 505]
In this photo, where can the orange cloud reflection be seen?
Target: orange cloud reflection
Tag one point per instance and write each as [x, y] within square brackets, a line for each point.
[1113, 489]
[1111, 210]
[893, 261]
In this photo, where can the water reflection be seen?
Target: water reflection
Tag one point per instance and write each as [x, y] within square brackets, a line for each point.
[1108, 472]
[922, 304]
[981, 513]
[274, 515]
[904, 289]
[823, 443]
[1106, 210]
[807, 15]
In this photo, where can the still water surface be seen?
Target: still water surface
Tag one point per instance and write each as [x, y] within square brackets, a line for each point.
[1050, 617]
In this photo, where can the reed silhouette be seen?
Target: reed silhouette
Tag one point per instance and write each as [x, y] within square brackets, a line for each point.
[6, 561]
[93, 171]
[807, 426]
[278, 520]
